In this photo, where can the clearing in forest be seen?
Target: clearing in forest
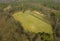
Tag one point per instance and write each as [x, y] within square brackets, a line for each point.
[31, 23]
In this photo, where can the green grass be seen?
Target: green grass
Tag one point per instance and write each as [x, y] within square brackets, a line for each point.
[31, 23]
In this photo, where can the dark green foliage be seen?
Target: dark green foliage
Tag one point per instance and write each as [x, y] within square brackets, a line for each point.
[3, 5]
[46, 37]
[34, 38]
[53, 18]
[20, 28]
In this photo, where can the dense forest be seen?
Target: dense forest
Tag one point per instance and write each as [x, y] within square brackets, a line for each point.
[30, 20]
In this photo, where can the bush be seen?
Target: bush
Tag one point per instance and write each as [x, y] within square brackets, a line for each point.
[46, 37]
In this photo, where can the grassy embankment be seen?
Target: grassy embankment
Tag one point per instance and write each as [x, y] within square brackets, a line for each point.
[31, 23]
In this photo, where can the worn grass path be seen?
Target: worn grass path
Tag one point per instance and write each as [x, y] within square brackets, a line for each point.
[31, 23]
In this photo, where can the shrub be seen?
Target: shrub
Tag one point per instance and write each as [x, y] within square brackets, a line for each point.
[46, 37]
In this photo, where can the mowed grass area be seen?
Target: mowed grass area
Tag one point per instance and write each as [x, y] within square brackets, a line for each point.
[31, 23]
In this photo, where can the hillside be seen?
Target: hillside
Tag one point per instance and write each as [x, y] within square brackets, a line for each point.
[29, 20]
[32, 23]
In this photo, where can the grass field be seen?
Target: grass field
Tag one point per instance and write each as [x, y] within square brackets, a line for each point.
[31, 23]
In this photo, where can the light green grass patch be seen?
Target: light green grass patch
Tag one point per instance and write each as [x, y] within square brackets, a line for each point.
[31, 23]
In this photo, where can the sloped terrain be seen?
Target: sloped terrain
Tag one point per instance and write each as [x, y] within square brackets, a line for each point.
[32, 23]
[41, 23]
[13, 30]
